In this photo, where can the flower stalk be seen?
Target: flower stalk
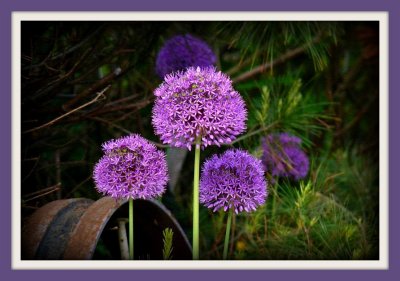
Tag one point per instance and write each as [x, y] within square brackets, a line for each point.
[196, 200]
[227, 234]
[131, 228]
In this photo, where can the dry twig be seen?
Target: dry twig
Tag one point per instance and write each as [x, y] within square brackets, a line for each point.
[98, 96]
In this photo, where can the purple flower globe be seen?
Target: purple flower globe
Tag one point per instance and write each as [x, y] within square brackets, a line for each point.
[198, 103]
[131, 167]
[181, 52]
[233, 180]
[283, 156]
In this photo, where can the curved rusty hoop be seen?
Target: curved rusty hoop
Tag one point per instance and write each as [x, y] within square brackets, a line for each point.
[71, 229]
[83, 241]
[42, 229]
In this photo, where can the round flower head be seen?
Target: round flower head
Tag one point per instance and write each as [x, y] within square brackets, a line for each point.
[181, 52]
[131, 168]
[233, 180]
[283, 157]
[198, 103]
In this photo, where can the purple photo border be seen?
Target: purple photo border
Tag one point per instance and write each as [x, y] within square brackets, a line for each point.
[8, 6]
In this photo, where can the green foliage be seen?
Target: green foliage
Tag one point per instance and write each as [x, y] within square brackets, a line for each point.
[278, 107]
[168, 235]
[270, 40]
[308, 220]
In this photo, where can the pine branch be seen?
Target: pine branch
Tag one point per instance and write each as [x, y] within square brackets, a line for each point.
[285, 57]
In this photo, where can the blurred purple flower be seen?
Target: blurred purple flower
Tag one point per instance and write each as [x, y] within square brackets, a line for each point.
[283, 156]
[131, 167]
[181, 52]
[233, 180]
[199, 102]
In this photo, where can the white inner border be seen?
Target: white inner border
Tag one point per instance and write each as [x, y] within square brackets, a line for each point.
[382, 17]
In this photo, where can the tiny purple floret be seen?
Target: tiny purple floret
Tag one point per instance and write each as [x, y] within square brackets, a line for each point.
[131, 167]
[235, 180]
[198, 103]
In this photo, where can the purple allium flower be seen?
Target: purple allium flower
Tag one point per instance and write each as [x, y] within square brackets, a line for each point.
[233, 180]
[131, 167]
[199, 102]
[283, 156]
[181, 52]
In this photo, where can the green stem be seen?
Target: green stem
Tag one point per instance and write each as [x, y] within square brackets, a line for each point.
[196, 201]
[227, 232]
[131, 228]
